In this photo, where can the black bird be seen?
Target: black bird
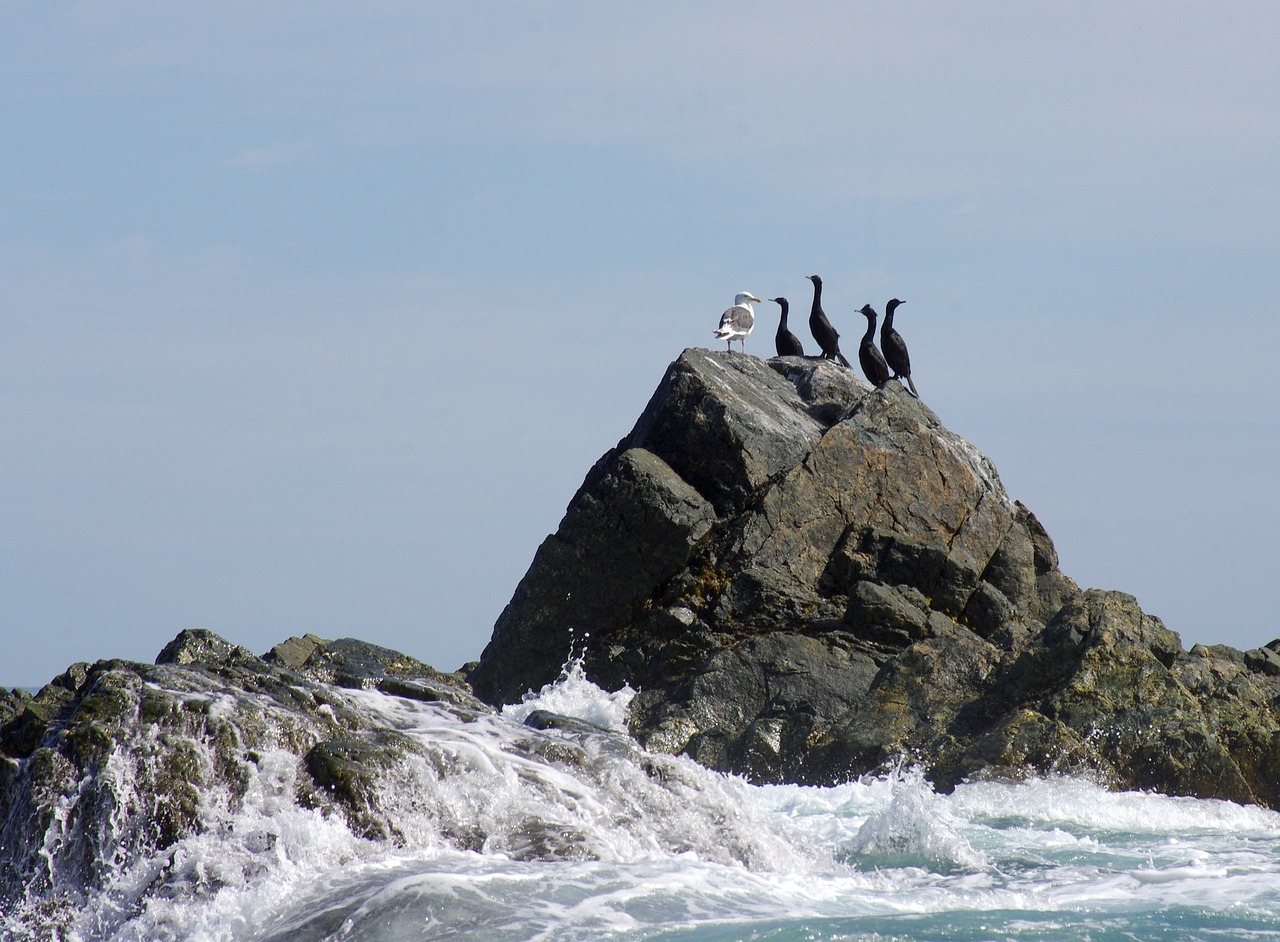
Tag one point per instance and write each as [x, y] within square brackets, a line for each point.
[872, 362]
[895, 348]
[787, 342]
[826, 335]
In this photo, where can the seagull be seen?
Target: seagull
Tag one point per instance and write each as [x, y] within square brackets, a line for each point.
[736, 322]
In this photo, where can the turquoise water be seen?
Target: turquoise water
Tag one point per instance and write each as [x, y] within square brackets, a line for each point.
[616, 844]
[1045, 860]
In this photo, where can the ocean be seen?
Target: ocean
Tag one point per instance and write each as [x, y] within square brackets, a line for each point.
[588, 838]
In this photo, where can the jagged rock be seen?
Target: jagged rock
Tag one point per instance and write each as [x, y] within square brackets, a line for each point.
[115, 771]
[202, 646]
[638, 523]
[753, 705]
[294, 653]
[843, 514]
[349, 662]
[1264, 660]
[811, 578]
[1103, 688]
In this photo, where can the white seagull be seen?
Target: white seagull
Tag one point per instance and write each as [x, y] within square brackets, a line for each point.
[737, 321]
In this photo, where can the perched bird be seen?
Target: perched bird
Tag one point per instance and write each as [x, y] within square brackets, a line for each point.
[895, 348]
[788, 343]
[736, 322]
[826, 335]
[872, 362]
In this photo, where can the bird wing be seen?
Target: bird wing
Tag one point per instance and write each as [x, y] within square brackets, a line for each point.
[737, 319]
[895, 351]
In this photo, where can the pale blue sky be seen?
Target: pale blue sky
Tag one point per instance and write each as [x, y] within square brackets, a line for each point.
[313, 316]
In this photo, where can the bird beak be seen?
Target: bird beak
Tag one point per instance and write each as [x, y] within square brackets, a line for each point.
[757, 300]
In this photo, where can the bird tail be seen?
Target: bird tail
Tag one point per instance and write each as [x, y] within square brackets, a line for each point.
[912, 386]
[840, 357]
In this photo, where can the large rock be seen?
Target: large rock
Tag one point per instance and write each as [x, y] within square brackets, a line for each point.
[807, 578]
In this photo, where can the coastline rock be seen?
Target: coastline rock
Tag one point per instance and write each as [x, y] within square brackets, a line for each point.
[806, 578]
[119, 777]
[118, 758]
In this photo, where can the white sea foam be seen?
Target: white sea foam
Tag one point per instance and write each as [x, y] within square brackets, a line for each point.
[1052, 845]
[572, 694]
[916, 828]
[599, 796]
[506, 832]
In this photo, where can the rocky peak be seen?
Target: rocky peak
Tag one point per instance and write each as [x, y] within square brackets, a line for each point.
[806, 577]
[773, 496]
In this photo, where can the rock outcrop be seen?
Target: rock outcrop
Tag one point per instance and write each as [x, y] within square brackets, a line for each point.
[127, 786]
[806, 578]
[115, 760]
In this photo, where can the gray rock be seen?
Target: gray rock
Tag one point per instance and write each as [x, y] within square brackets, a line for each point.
[725, 425]
[359, 665]
[620, 540]
[1263, 660]
[201, 646]
[815, 578]
[346, 769]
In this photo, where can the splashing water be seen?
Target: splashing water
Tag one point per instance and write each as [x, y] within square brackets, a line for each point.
[916, 829]
[503, 832]
[572, 694]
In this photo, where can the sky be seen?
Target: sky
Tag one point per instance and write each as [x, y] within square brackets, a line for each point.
[313, 317]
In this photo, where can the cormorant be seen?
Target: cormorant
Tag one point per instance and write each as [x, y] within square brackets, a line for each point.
[872, 362]
[895, 348]
[826, 335]
[736, 322]
[788, 343]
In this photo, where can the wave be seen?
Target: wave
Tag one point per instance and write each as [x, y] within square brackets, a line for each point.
[547, 821]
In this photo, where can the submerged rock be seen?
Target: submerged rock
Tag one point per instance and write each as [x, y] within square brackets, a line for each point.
[807, 578]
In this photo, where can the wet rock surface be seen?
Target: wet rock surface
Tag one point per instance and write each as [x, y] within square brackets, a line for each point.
[128, 784]
[118, 757]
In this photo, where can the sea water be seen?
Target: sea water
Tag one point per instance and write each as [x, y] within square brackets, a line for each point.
[591, 838]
